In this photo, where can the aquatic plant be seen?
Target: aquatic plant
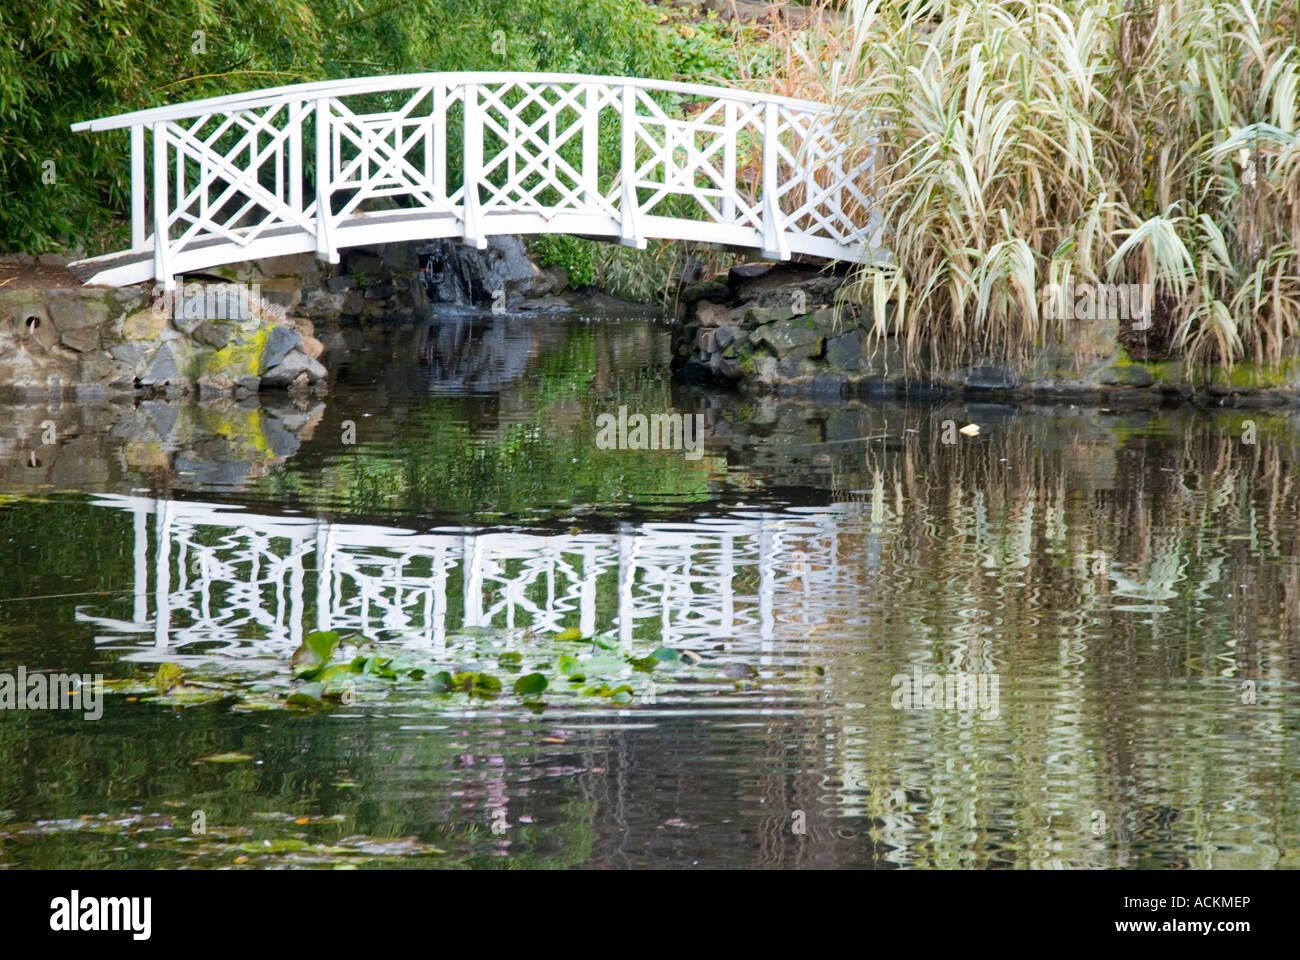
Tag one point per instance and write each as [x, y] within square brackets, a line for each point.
[1021, 143]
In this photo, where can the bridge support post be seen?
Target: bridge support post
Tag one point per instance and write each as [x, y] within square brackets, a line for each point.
[162, 270]
[472, 226]
[629, 206]
[137, 186]
[325, 249]
[296, 111]
[774, 242]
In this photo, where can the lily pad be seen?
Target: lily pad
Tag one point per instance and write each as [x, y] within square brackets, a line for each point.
[530, 684]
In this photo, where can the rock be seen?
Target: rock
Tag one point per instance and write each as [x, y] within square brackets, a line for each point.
[83, 340]
[400, 257]
[845, 352]
[709, 314]
[279, 341]
[715, 289]
[364, 264]
[187, 321]
[793, 366]
[787, 336]
[281, 291]
[213, 334]
[462, 274]
[211, 389]
[1126, 375]
[340, 284]
[730, 338]
[729, 367]
[987, 377]
[762, 371]
[131, 354]
[146, 324]
[77, 314]
[296, 367]
[757, 316]
[380, 291]
[290, 265]
[789, 285]
[827, 386]
[163, 369]
[312, 347]
[549, 280]
[744, 272]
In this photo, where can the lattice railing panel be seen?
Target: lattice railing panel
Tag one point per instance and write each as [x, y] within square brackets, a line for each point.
[324, 166]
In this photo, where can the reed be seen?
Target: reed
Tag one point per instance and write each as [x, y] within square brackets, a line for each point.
[1022, 143]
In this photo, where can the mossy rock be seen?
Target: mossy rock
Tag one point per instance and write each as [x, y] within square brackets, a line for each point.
[1126, 375]
[790, 337]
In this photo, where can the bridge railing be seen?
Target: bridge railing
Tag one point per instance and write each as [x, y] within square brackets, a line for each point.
[341, 163]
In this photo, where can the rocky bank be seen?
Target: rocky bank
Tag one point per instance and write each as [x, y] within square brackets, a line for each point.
[791, 330]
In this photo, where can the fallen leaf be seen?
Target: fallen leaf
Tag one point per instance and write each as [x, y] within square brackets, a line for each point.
[225, 758]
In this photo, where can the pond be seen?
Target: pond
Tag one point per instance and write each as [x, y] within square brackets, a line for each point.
[432, 619]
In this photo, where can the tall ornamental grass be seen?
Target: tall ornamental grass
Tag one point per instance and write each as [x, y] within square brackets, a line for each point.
[1022, 144]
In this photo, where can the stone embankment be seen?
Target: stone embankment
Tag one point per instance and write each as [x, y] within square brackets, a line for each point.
[792, 330]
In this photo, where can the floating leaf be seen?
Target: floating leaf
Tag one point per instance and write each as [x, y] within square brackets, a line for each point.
[168, 675]
[569, 633]
[308, 695]
[375, 667]
[225, 758]
[530, 683]
[316, 649]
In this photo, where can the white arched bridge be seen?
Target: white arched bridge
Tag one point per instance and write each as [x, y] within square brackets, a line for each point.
[323, 166]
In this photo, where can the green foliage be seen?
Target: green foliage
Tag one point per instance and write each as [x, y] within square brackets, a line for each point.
[705, 50]
[575, 254]
[66, 61]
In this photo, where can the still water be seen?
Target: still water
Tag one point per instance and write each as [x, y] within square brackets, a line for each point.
[724, 637]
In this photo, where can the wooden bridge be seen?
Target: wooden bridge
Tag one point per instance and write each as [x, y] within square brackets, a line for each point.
[323, 166]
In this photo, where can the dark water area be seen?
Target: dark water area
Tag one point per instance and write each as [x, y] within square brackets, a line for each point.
[1121, 585]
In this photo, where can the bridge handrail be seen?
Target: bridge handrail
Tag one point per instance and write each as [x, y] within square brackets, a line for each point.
[382, 84]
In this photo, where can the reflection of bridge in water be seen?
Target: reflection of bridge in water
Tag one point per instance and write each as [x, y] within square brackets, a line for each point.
[223, 580]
